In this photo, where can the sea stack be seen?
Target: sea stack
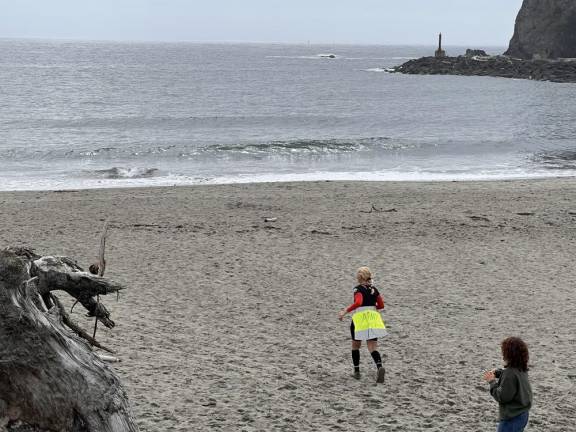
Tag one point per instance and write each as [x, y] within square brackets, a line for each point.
[545, 30]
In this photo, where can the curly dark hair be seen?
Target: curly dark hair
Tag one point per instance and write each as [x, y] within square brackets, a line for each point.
[515, 353]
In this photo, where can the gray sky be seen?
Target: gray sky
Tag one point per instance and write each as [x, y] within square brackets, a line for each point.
[463, 22]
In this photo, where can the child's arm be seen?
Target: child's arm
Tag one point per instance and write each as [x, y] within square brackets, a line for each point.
[379, 302]
[358, 300]
[504, 389]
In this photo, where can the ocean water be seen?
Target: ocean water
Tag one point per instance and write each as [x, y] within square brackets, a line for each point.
[103, 114]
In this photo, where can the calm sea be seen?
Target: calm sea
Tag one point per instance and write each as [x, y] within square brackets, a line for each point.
[104, 114]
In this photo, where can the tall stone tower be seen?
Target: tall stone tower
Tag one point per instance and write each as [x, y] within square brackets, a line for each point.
[440, 53]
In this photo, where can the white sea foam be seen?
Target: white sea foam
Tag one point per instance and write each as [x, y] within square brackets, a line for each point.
[118, 173]
[389, 176]
[27, 184]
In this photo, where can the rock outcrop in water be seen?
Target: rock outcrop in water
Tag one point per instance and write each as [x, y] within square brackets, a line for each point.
[475, 52]
[545, 29]
[545, 32]
[498, 66]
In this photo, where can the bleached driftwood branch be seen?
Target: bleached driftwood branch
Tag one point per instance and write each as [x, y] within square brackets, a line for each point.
[50, 379]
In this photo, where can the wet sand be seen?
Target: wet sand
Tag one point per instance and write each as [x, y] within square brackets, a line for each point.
[230, 322]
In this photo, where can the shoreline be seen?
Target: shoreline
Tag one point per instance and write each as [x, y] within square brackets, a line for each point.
[230, 321]
[264, 182]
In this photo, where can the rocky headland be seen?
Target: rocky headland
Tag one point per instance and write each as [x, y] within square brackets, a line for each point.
[543, 48]
[496, 66]
[544, 30]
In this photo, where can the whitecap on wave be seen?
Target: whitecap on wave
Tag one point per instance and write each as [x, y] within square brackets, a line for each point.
[302, 146]
[118, 173]
[306, 57]
[562, 159]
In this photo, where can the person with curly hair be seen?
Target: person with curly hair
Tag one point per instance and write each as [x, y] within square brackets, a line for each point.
[510, 386]
[366, 323]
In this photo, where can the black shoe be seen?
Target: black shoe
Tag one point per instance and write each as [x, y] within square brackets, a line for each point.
[381, 375]
[356, 375]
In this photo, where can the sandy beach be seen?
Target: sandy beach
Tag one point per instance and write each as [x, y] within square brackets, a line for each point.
[230, 322]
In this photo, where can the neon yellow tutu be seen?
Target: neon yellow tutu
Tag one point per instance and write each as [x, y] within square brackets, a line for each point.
[368, 324]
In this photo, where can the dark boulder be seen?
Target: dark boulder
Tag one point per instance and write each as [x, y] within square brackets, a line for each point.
[476, 53]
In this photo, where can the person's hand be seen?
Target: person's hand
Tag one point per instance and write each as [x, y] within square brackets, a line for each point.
[489, 376]
[341, 315]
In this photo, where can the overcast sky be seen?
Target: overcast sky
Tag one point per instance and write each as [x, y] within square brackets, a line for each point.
[463, 22]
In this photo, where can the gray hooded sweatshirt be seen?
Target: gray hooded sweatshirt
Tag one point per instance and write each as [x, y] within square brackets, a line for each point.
[513, 393]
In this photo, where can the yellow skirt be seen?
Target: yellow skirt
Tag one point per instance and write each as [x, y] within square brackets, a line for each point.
[368, 324]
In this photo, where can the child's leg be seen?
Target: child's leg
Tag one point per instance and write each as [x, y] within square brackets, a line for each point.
[356, 355]
[356, 344]
[373, 348]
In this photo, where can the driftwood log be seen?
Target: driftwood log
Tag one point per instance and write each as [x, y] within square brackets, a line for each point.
[50, 377]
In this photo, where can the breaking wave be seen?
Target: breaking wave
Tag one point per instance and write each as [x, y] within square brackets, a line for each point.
[276, 148]
[305, 146]
[119, 173]
[564, 159]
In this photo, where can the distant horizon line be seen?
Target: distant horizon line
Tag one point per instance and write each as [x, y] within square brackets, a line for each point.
[244, 42]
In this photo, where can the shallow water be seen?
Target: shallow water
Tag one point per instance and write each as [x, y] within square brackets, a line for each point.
[102, 114]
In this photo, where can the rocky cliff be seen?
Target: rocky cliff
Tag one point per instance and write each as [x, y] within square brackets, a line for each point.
[545, 29]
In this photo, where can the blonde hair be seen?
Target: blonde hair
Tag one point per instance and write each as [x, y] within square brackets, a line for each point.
[364, 274]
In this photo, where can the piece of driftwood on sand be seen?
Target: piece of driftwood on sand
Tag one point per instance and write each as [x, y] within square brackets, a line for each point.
[50, 379]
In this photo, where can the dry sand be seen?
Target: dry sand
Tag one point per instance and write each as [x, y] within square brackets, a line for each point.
[230, 322]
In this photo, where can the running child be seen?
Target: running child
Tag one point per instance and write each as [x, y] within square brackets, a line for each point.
[366, 323]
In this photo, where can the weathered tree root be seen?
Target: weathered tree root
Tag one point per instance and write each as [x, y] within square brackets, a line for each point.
[76, 328]
[50, 379]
